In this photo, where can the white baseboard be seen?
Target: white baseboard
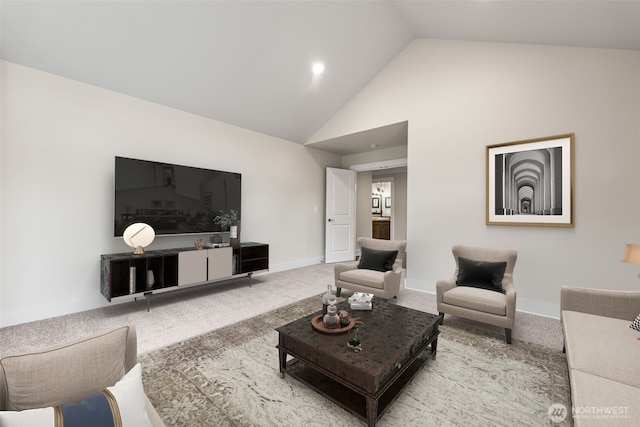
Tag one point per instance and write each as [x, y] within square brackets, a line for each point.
[42, 311]
[299, 263]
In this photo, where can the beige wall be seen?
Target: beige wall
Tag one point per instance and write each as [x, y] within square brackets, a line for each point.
[459, 97]
[363, 204]
[59, 139]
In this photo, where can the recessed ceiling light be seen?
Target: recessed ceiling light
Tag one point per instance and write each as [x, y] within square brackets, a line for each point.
[374, 145]
[318, 68]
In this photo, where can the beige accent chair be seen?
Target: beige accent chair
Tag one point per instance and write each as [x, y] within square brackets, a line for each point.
[478, 304]
[381, 284]
[70, 372]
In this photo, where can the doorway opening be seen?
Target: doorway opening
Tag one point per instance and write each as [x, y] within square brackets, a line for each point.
[382, 208]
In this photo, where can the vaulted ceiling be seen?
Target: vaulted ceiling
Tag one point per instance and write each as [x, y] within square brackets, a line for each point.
[248, 63]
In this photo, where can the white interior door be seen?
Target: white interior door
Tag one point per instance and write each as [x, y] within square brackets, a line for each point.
[340, 230]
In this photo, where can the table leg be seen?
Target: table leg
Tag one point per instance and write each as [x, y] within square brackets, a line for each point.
[283, 362]
[434, 347]
[372, 411]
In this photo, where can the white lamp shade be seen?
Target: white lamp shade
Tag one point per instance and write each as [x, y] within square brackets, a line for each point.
[138, 235]
[631, 254]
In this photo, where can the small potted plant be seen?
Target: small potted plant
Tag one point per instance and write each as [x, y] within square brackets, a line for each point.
[228, 219]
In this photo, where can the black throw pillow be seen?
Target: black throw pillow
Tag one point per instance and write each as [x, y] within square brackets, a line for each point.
[481, 274]
[372, 259]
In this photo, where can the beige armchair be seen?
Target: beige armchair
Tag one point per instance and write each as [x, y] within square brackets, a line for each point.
[69, 373]
[376, 272]
[481, 288]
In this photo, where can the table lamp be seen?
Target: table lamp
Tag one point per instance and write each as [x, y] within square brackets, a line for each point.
[631, 254]
[138, 235]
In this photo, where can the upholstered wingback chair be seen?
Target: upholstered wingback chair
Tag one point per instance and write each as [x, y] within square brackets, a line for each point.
[481, 288]
[70, 373]
[379, 271]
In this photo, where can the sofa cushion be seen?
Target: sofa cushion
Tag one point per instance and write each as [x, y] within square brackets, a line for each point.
[369, 278]
[476, 299]
[636, 324]
[64, 374]
[481, 274]
[602, 402]
[602, 346]
[123, 404]
[375, 259]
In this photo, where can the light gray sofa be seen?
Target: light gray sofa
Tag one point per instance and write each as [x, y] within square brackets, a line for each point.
[70, 372]
[603, 355]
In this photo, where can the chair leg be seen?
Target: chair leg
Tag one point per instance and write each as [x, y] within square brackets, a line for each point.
[338, 291]
[508, 334]
[441, 315]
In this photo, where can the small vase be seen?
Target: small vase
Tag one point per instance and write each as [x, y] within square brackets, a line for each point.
[354, 340]
[327, 299]
[331, 320]
[150, 279]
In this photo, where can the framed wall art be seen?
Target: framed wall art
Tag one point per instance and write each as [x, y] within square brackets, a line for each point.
[530, 182]
[206, 201]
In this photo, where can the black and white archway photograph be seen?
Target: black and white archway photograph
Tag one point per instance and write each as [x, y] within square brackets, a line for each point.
[530, 182]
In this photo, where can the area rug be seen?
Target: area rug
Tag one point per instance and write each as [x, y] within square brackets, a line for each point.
[230, 377]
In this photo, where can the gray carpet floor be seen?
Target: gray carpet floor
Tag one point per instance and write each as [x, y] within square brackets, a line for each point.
[176, 316]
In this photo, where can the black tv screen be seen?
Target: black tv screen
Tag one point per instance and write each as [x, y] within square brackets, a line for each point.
[173, 199]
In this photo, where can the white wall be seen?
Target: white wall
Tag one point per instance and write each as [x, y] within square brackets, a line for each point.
[460, 97]
[363, 204]
[372, 156]
[59, 139]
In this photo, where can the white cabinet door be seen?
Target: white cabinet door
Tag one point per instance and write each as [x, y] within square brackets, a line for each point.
[192, 267]
[220, 263]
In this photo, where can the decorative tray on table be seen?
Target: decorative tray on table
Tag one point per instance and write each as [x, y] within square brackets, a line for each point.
[317, 324]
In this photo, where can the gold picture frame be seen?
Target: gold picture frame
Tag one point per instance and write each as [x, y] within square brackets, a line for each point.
[531, 182]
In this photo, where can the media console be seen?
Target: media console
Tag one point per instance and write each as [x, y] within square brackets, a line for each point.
[126, 276]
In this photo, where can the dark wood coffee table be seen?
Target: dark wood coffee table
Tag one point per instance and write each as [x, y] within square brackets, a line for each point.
[395, 345]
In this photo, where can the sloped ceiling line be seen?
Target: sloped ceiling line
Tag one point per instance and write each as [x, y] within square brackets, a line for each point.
[249, 63]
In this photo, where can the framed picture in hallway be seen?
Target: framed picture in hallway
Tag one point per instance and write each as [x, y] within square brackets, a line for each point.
[530, 182]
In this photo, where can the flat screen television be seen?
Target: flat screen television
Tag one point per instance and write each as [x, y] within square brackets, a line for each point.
[173, 199]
